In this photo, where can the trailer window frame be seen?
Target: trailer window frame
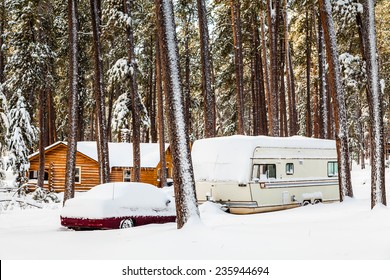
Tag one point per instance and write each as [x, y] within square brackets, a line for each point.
[259, 169]
[332, 169]
[289, 168]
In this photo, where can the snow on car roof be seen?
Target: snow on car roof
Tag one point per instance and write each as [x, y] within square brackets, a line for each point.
[228, 158]
[119, 199]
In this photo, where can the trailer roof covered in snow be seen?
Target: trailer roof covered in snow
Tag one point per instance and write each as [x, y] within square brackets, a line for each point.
[229, 158]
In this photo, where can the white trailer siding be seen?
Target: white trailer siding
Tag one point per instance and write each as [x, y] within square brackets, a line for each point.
[265, 172]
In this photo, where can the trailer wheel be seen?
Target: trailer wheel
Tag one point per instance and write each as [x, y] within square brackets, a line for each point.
[317, 201]
[305, 202]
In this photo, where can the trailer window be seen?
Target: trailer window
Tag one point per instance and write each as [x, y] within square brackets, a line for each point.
[266, 171]
[289, 168]
[333, 169]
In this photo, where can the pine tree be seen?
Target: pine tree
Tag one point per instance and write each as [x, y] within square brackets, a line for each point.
[135, 108]
[239, 63]
[73, 100]
[21, 136]
[374, 97]
[102, 135]
[207, 88]
[337, 92]
[186, 205]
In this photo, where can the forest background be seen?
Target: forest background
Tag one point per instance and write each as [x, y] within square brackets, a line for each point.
[268, 74]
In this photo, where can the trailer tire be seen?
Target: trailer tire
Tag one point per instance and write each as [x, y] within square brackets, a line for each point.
[305, 202]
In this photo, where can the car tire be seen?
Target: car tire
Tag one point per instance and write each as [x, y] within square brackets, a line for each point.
[126, 223]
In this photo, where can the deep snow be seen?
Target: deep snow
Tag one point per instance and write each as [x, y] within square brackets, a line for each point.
[347, 230]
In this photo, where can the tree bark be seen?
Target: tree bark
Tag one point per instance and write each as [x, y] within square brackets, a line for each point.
[309, 130]
[337, 91]
[135, 104]
[323, 95]
[152, 94]
[73, 100]
[160, 116]
[266, 74]
[183, 176]
[2, 29]
[102, 135]
[292, 111]
[235, 6]
[273, 26]
[374, 98]
[42, 134]
[207, 89]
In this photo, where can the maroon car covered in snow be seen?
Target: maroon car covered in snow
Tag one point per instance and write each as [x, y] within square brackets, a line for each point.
[118, 205]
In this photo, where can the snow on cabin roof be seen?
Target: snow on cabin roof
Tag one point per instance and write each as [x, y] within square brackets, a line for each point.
[229, 158]
[120, 154]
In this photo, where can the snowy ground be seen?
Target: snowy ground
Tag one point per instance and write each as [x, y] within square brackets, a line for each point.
[348, 230]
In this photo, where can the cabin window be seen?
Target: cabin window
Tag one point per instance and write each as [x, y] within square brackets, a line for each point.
[289, 168]
[33, 175]
[126, 175]
[333, 169]
[77, 175]
[263, 171]
[168, 173]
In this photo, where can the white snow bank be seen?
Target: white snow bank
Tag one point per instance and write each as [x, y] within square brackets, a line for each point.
[229, 158]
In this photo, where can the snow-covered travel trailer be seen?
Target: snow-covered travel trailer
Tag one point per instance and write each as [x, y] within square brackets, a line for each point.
[252, 174]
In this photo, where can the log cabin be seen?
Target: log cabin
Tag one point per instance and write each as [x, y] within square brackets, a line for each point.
[87, 165]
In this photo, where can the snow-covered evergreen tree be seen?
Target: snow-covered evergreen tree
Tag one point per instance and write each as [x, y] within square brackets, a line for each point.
[21, 137]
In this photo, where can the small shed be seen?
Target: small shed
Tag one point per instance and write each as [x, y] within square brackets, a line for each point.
[87, 165]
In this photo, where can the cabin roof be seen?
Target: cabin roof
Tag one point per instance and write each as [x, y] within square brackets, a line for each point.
[120, 154]
[229, 158]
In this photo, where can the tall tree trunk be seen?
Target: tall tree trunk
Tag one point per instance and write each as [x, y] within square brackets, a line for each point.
[52, 131]
[292, 111]
[362, 139]
[235, 6]
[260, 113]
[102, 135]
[187, 86]
[207, 89]
[73, 100]
[323, 95]
[134, 96]
[337, 91]
[266, 74]
[110, 109]
[273, 27]
[42, 135]
[309, 130]
[185, 196]
[2, 29]
[374, 98]
[160, 116]
[152, 93]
